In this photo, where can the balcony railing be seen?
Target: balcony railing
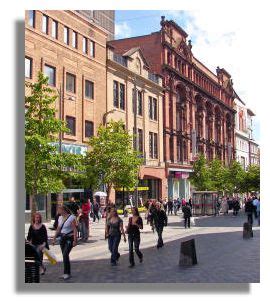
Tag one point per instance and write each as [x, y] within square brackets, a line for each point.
[119, 59]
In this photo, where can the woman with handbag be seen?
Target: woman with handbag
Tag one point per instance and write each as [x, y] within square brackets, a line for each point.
[135, 223]
[114, 229]
[37, 236]
[68, 236]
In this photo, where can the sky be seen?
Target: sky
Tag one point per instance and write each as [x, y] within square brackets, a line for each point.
[216, 41]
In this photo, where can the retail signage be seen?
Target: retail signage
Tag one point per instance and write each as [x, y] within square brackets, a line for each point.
[72, 148]
[181, 175]
[141, 188]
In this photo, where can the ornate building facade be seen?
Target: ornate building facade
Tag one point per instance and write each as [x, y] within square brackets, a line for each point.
[198, 114]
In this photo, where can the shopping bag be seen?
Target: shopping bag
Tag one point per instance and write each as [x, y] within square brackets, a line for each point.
[192, 221]
[50, 256]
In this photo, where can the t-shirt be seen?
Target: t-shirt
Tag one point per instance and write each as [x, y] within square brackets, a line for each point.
[114, 228]
[67, 227]
[38, 236]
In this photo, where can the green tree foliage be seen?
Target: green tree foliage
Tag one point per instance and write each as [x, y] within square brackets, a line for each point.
[217, 174]
[111, 159]
[200, 176]
[234, 177]
[251, 180]
[45, 167]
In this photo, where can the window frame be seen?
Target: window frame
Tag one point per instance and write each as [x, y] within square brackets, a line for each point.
[54, 22]
[54, 69]
[92, 48]
[33, 25]
[45, 17]
[31, 67]
[66, 35]
[91, 90]
[71, 75]
[115, 94]
[122, 96]
[85, 130]
[75, 39]
[71, 133]
[85, 45]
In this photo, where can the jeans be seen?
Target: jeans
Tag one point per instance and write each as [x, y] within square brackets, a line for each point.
[66, 246]
[159, 232]
[85, 229]
[95, 216]
[113, 241]
[134, 238]
[187, 221]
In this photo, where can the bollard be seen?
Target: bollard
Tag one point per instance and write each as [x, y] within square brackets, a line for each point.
[188, 253]
[247, 230]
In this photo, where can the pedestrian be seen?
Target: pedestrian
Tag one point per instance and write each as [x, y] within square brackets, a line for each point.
[165, 204]
[186, 209]
[249, 209]
[38, 237]
[258, 211]
[217, 207]
[73, 206]
[224, 206]
[85, 219]
[68, 237]
[170, 206]
[160, 220]
[96, 207]
[190, 202]
[175, 206]
[236, 206]
[256, 205]
[135, 223]
[152, 212]
[114, 229]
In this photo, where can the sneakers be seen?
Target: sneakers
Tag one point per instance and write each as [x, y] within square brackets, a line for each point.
[65, 276]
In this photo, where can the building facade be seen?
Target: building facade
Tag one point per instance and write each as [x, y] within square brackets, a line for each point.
[103, 18]
[135, 96]
[198, 114]
[71, 51]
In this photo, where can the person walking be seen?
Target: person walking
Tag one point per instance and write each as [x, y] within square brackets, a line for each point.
[236, 206]
[160, 220]
[186, 209]
[224, 206]
[170, 206]
[217, 207]
[175, 206]
[165, 204]
[249, 209]
[68, 237]
[135, 223]
[73, 206]
[96, 207]
[38, 237]
[114, 229]
[256, 205]
[85, 219]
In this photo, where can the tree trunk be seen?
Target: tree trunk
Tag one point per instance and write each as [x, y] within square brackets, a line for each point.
[108, 191]
[33, 202]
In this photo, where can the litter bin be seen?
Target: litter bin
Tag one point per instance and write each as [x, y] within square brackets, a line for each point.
[32, 264]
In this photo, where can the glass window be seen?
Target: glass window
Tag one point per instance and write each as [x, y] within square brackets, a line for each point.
[66, 35]
[71, 124]
[89, 89]
[49, 71]
[122, 96]
[31, 18]
[92, 49]
[85, 49]
[55, 29]
[140, 140]
[89, 129]
[28, 67]
[150, 145]
[45, 21]
[74, 39]
[71, 83]
[139, 103]
[155, 150]
[154, 106]
[115, 94]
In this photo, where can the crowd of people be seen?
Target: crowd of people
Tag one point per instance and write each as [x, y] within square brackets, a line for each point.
[72, 223]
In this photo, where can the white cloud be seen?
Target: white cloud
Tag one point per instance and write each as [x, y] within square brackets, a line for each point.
[122, 30]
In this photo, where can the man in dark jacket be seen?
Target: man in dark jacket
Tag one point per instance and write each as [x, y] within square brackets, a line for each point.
[160, 220]
[249, 209]
[186, 209]
[73, 206]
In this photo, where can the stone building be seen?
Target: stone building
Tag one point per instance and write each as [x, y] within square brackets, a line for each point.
[135, 96]
[198, 114]
[71, 51]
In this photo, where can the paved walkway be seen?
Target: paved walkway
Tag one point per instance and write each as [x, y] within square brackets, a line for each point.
[223, 255]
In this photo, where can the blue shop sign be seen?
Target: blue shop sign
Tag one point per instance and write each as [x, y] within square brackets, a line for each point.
[72, 148]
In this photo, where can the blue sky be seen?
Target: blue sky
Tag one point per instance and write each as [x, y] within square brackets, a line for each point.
[215, 43]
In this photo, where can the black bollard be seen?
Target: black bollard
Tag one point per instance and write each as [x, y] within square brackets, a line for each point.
[188, 253]
[247, 230]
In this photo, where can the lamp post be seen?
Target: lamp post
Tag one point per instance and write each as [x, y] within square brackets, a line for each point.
[104, 122]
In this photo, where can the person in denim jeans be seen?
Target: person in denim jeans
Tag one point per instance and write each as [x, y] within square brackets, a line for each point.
[114, 228]
[68, 237]
[135, 223]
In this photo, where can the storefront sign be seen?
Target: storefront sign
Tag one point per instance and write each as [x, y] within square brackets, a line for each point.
[72, 148]
[142, 188]
[181, 175]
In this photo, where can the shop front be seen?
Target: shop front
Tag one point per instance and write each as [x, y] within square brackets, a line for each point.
[178, 183]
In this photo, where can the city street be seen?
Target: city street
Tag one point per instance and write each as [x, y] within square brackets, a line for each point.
[222, 254]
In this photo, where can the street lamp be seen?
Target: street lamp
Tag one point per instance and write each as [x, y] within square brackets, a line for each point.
[105, 116]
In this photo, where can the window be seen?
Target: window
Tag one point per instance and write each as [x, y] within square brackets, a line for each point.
[122, 96]
[85, 49]
[153, 151]
[45, 24]
[74, 39]
[115, 94]
[55, 29]
[49, 71]
[31, 18]
[92, 49]
[66, 35]
[71, 83]
[140, 140]
[71, 125]
[89, 129]
[28, 67]
[152, 107]
[89, 89]
[139, 103]
[155, 146]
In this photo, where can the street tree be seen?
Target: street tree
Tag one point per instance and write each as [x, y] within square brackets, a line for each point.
[45, 167]
[217, 175]
[111, 159]
[251, 181]
[200, 177]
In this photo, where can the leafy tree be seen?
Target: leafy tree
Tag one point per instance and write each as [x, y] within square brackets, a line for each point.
[234, 177]
[251, 181]
[217, 174]
[45, 167]
[200, 176]
[111, 159]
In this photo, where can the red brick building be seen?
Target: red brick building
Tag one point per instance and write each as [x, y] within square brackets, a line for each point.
[198, 114]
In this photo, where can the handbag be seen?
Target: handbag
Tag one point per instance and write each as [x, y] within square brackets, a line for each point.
[50, 256]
